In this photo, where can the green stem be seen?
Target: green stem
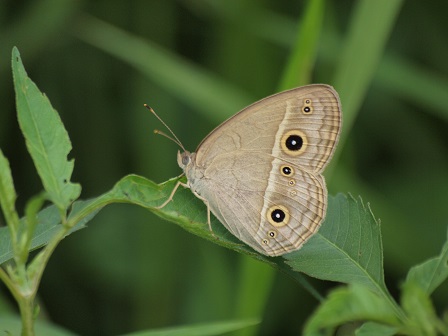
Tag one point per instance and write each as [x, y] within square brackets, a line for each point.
[395, 306]
[25, 299]
[4, 277]
[25, 302]
[26, 306]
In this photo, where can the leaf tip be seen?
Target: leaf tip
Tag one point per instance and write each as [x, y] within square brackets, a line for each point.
[16, 57]
[15, 52]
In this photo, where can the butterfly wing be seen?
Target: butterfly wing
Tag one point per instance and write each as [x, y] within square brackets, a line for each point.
[313, 110]
[260, 170]
[244, 195]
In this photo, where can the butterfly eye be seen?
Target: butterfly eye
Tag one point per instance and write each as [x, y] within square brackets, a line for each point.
[272, 234]
[294, 142]
[278, 215]
[185, 160]
[307, 109]
[286, 170]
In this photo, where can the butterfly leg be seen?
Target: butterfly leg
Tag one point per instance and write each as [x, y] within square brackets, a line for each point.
[208, 217]
[185, 185]
[209, 222]
[170, 198]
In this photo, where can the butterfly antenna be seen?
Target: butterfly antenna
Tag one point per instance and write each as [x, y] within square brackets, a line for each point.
[174, 138]
[168, 137]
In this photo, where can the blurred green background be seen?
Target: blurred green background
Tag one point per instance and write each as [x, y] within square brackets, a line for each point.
[197, 62]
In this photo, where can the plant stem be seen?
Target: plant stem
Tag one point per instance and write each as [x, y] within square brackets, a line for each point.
[25, 298]
[5, 278]
[398, 311]
[26, 306]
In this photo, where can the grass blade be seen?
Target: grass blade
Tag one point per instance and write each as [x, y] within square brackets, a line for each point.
[302, 58]
[209, 329]
[197, 87]
[370, 28]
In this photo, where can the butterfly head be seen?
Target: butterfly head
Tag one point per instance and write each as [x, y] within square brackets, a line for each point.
[185, 159]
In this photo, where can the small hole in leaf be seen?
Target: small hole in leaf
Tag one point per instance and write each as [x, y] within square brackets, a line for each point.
[65, 180]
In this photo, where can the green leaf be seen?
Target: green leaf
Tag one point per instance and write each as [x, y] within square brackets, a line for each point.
[12, 325]
[376, 329]
[430, 274]
[33, 206]
[350, 236]
[347, 304]
[208, 329]
[8, 197]
[46, 138]
[419, 309]
[48, 224]
[185, 209]
[369, 30]
[347, 248]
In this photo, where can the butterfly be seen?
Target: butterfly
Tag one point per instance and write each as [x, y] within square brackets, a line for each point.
[260, 172]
